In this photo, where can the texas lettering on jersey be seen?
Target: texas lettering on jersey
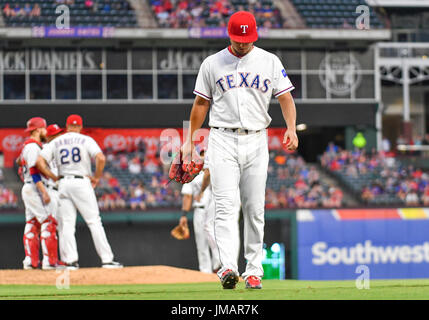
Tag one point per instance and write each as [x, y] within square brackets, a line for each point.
[246, 80]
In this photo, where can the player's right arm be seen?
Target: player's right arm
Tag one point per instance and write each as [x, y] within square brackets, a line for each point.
[186, 202]
[42, 165]
[100, 163]
[45, 196]
[203, 94]
[198, 115]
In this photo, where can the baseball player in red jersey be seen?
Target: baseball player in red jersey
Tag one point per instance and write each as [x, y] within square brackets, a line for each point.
[40, 224]
[237, 85]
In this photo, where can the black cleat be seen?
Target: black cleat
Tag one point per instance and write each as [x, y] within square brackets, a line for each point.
[72, 265]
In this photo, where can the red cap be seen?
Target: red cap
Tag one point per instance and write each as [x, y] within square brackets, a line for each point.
[242, 27]
[52, 130]
[74, 119]
[35, 123]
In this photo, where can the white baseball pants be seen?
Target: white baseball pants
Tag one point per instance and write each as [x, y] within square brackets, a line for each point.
[78, 194]
[239, 161]
[34, 207]
[210, 227]
[203, 248]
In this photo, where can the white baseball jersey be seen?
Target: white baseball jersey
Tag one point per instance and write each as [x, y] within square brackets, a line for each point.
[54, 169]
[241, 87]
[194, 188]
[72, 153]
[29, 155]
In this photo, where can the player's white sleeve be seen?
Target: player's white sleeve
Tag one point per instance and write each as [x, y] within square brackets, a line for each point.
[203, 85]
[282, 83]
[31, 154]
[47, 152]
[92, 147]
[187, 188]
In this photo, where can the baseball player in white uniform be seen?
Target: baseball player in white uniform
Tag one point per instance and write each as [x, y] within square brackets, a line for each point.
[52, 132]
[72, 152]
[190, 191]
[238, 83]
[40, 207]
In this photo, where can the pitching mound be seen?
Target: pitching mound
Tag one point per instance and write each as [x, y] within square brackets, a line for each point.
[128, 275]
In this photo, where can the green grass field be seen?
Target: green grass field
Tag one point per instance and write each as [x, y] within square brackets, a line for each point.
[273, 290]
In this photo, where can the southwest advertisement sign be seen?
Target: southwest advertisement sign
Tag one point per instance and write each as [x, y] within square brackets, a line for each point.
[392, 243]
[156, 140]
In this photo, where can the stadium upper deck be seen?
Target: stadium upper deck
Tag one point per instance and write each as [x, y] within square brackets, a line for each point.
[271, 14]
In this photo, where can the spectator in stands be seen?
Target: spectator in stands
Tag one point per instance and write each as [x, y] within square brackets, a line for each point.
[95, 6]
[36, 12]
[425, 141]
[89, 4]
[425, 197]
[18, 11]
[151, 164]
[8, 199]
[8, 11]
[135, 167]
[107, 7]
[385, 144]
[137, 199]
[27, 9]
[412, 199]
[123, 162]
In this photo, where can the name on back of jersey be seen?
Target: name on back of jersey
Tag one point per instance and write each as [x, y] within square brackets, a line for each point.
[69, 141]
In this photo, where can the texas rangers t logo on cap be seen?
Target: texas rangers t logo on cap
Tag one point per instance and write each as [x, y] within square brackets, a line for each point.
[244, 27]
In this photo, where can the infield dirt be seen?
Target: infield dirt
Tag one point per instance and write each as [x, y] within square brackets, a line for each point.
[95, 276]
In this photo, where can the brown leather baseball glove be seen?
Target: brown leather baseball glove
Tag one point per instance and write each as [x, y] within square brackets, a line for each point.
[181, 231]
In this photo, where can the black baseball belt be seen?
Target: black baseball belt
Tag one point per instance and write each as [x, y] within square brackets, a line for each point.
[237, 130]
[76, 177]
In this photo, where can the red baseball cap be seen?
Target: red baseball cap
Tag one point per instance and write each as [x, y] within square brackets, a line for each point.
[52, 130]
[35, 123]
[242, 27]
[74, 119]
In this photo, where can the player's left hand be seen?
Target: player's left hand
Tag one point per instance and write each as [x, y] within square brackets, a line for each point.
[183, 221]
[290, 140]
[94, 181]
[45, 198]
